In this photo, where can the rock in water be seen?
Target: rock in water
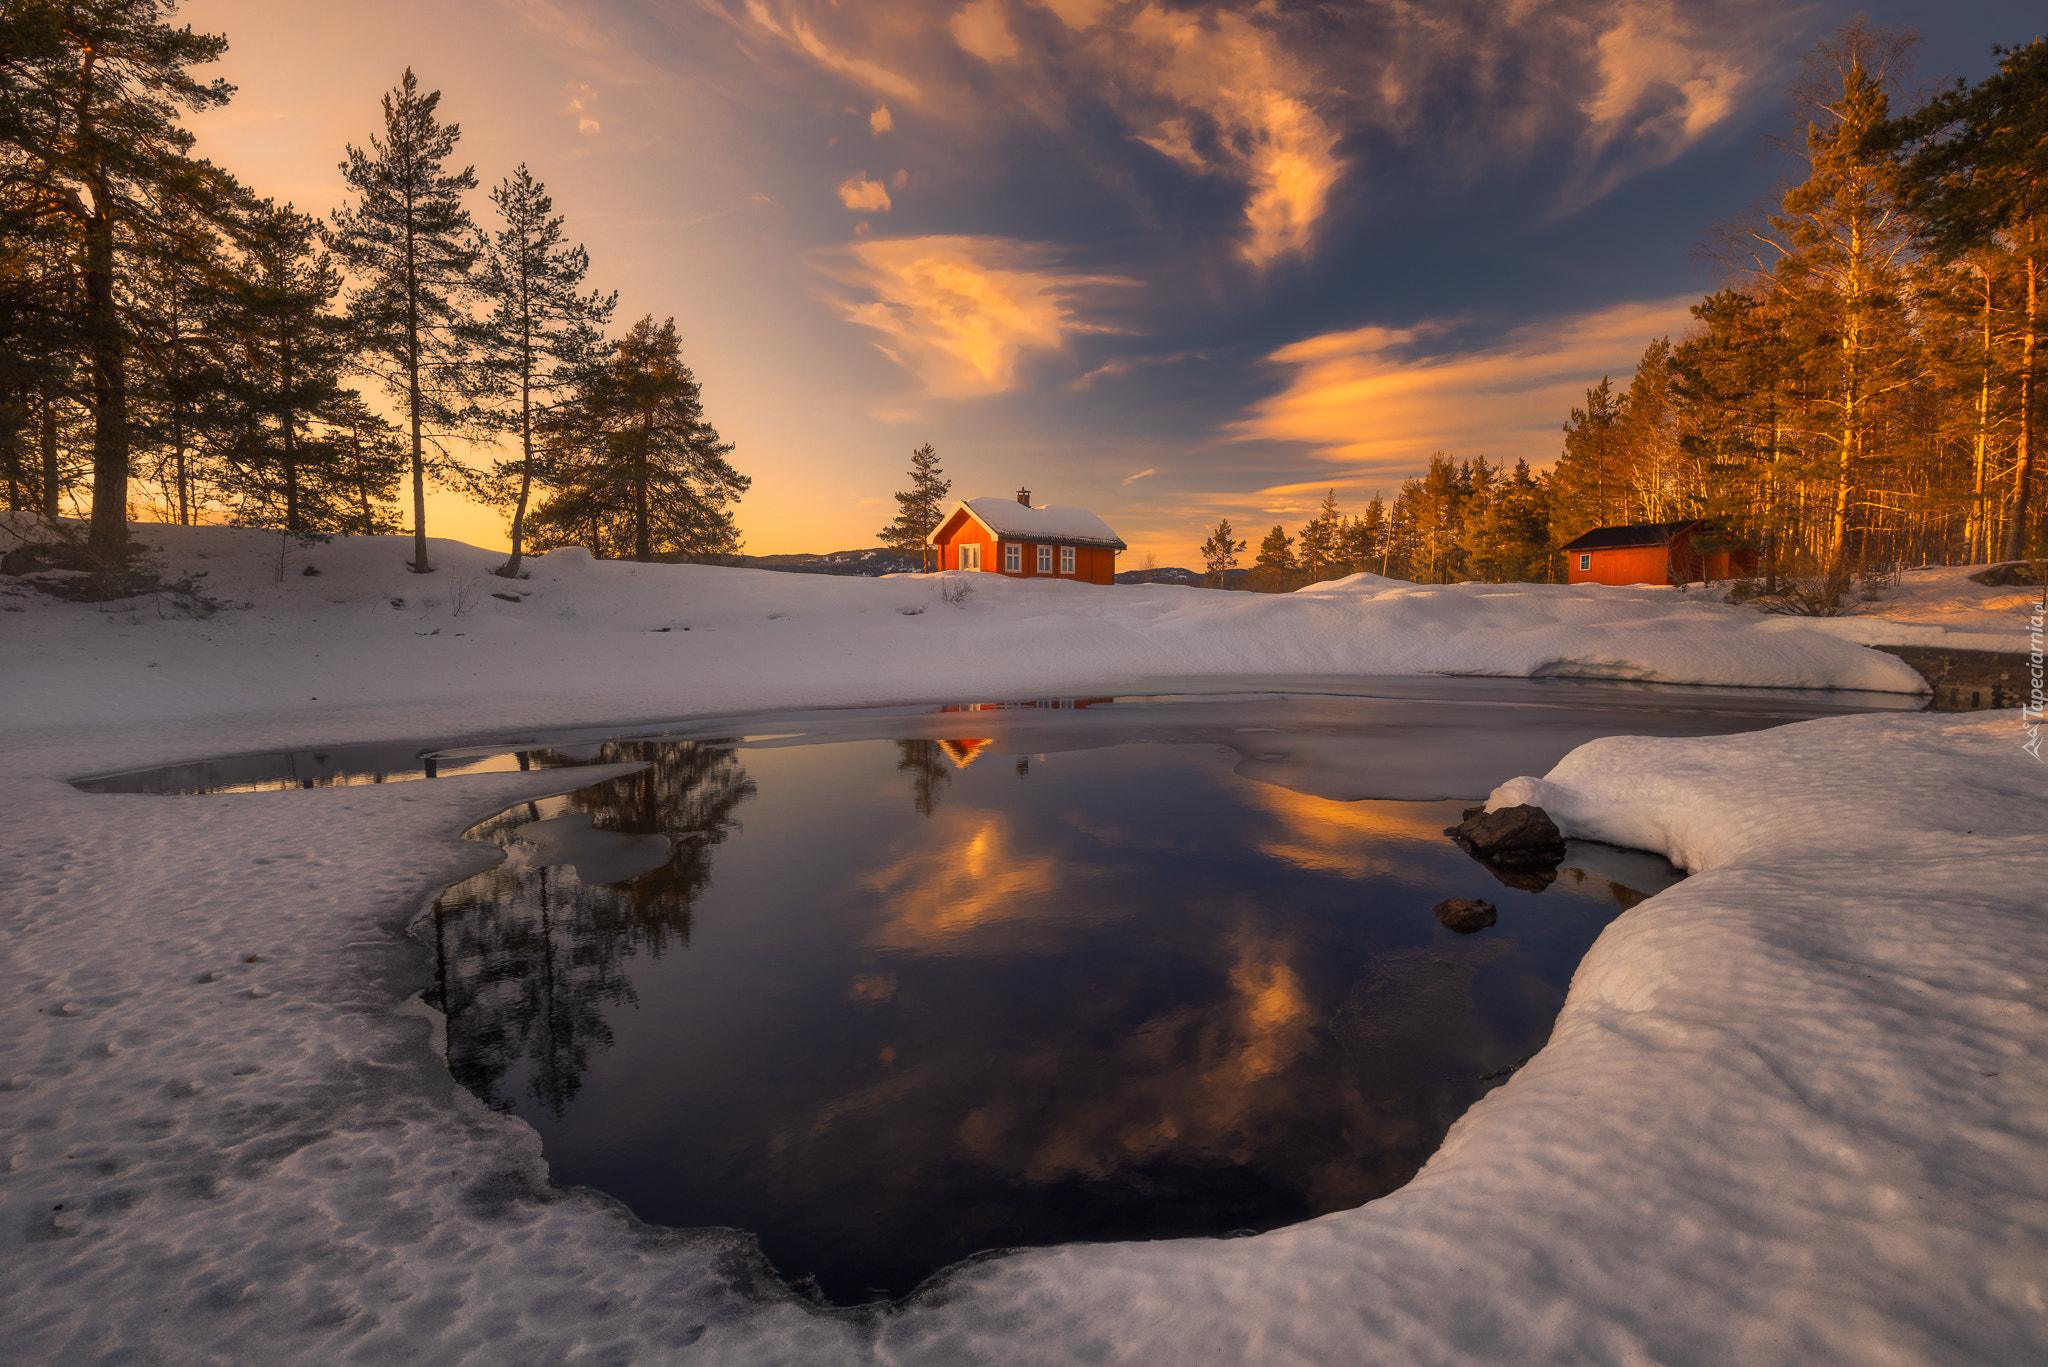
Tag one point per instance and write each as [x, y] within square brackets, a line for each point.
[1515, 837]
[1463, 916]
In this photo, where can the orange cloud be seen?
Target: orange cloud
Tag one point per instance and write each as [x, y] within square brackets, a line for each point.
[1235, 77]
[981, 29]
[1381, 399]
[863, 195]
[881, 121]
[958, 312]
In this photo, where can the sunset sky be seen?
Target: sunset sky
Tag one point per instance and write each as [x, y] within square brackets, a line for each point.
[1166, 263]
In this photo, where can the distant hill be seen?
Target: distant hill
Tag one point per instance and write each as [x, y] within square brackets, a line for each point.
[869, 564]
[864, 564]
[1173, 574]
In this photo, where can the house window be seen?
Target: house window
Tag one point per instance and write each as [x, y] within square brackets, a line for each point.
[1045, 560]
[1066, 560]
[1585, 562]
[1013, 558]
[970, 557]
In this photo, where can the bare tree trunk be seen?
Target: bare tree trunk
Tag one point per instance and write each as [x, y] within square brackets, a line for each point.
[510, 569]
[412, 375]
[2022, 477]
[108, 537]
[643, 546]
[1978, 535]
[293, 519]
[53, 480]
[18, 488]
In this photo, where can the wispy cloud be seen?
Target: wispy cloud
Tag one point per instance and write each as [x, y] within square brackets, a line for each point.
[959, 312]
[1133, 479]
[1379, 400]
[1244, 109]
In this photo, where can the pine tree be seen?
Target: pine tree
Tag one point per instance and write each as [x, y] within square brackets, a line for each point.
[1843, 275]
[920, 507]
[1321, 541]
[1219, 555]
[88, 119]
[174, 390]
[1980, 173]
[410, 244]
[539, 336]
[1368, 538]
[283, 370]
[643, 473]
[1654, 478]
[1274, 566]
[368, 458]
[1588, 475]
[1430, 511]
[1735, 386]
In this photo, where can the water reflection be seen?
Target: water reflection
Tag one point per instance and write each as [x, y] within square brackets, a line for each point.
[529, 956]
[1136, 996]
[925, 762]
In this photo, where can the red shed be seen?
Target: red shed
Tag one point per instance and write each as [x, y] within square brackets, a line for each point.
[1014, 538]
[1651, 553]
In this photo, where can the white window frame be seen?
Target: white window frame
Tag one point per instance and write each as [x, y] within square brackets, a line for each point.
[1586, 560]
[1045, 560]
[970, 555]
[1066, 560]
[1013, 557]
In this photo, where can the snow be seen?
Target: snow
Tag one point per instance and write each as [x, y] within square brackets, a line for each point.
[1793, 1110]
[1047, 522]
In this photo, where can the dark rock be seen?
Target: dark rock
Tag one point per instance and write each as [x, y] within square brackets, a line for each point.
[1465, 917]
[508, 597]
[1471, 812]
[1517, 837]
[310, 573]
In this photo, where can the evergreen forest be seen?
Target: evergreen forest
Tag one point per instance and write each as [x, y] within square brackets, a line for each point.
[176, 348]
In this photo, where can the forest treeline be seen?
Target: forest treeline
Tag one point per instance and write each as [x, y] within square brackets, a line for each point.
[1864, 392]
[175, 347]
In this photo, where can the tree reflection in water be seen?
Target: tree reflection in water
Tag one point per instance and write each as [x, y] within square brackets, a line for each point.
[929, 772]
[527, 961]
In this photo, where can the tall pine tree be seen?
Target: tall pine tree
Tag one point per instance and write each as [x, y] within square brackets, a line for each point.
[537, 340]
[89, 109]
[410, 244]
[919, 508]
[645, 474]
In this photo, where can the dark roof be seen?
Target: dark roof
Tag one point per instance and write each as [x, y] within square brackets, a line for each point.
[1639, 534]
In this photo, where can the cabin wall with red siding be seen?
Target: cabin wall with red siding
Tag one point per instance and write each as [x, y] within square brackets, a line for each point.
[1621, 565]
[1092, 564]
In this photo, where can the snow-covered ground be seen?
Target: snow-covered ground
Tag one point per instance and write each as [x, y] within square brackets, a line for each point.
[1793, 1112]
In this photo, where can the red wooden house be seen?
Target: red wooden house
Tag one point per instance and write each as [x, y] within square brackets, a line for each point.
[1014, 538]
[1651, 553]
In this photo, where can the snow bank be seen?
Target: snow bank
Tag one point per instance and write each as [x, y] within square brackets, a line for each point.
[338, 647]
[1792, 1112]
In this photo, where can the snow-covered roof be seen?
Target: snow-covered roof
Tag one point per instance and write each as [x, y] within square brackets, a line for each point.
[1635, 534]
[1007, 517]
